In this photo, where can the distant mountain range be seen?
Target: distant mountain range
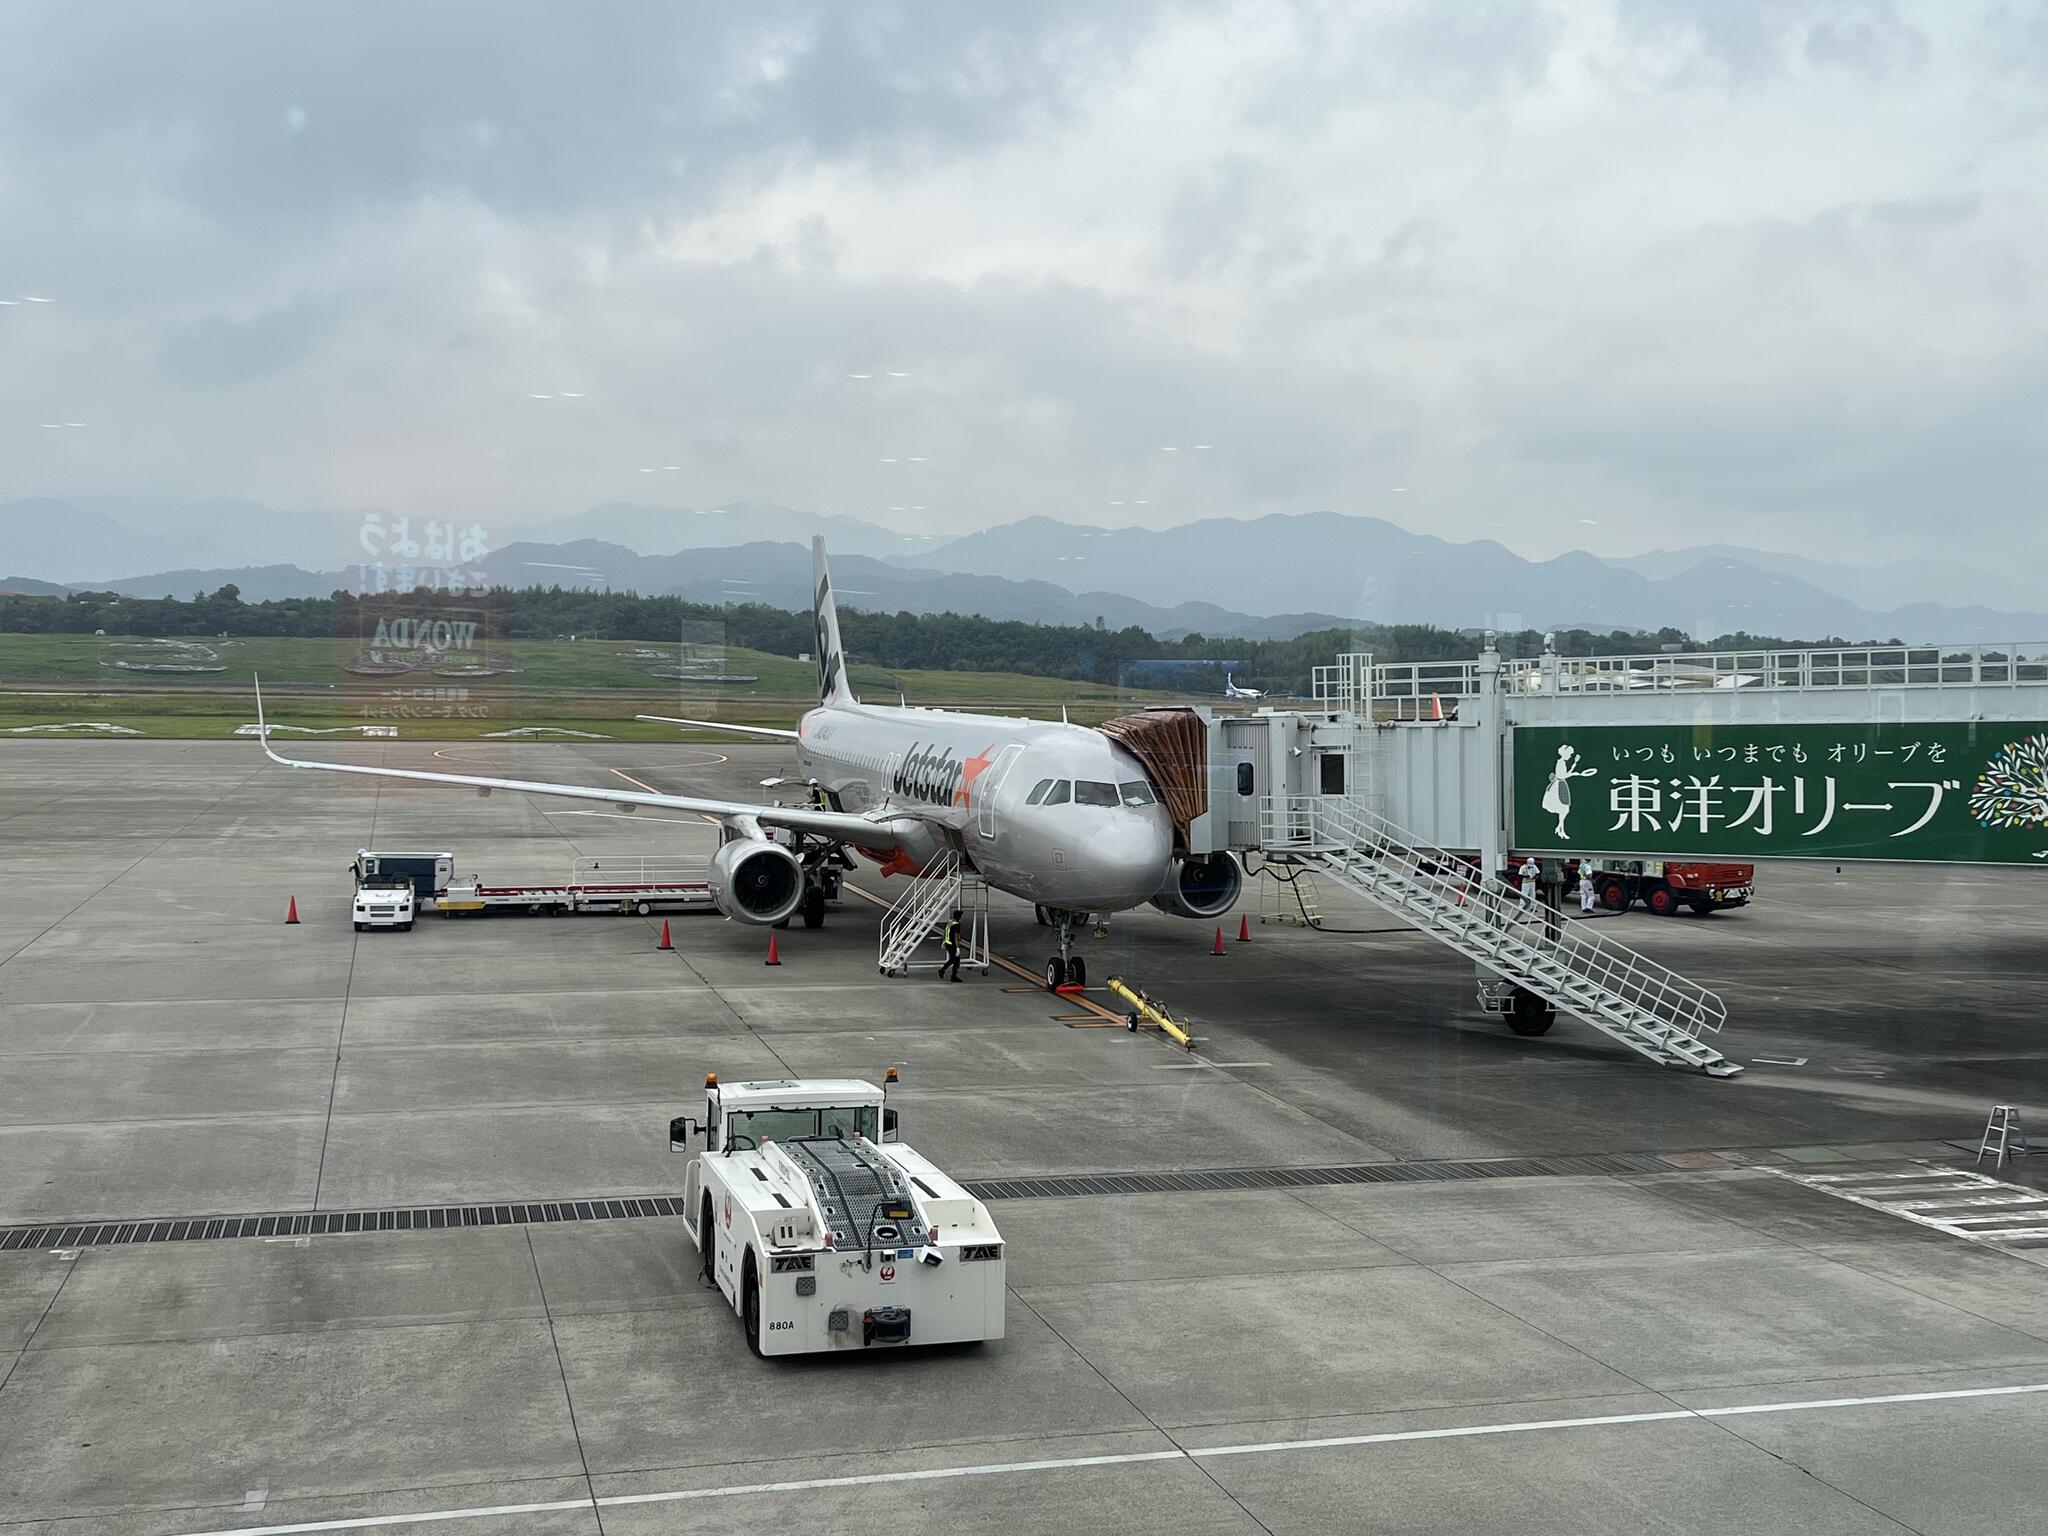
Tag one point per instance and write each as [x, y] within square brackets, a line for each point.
[650, 530]
[1260, 578]
[1901, 584]
[96, 543]
[1326, 562]
[28, 586]
[780, 576]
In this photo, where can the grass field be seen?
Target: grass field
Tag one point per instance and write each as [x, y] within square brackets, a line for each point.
[586, 685]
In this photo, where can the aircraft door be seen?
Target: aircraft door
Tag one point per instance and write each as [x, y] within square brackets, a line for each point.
[985, 798]
[1241, 786]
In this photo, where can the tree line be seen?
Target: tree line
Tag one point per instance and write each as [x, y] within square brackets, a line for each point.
[935, 641]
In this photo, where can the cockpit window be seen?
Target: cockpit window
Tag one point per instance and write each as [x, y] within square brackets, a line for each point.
[1038, 791]
[1088, 792]
[1057, 795]
[1137, 792]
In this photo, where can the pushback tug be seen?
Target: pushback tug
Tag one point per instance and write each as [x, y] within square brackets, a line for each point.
[826, 1233]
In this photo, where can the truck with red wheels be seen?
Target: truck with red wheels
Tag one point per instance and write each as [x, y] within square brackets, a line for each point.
[1667, 885]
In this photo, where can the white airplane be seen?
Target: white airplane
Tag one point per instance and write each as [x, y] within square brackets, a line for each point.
[1232, 691]
[1058, 814]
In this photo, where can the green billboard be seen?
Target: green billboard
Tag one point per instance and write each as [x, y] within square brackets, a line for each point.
[1971, 792]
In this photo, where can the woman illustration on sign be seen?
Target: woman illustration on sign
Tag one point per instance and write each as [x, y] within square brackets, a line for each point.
[1557, 796]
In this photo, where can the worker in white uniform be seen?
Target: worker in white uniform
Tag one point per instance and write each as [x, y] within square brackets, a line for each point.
[1585, 891]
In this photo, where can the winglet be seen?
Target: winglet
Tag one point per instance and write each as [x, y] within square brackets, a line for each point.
[262, 727]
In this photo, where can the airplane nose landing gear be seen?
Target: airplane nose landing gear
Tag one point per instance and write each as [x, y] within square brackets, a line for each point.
[1065, 969]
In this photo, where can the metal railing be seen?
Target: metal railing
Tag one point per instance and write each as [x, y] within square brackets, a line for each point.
[1404, 689]
[1422, 690]
[922, 910]
[1524, 940]
[628, 870]
[1347, 684]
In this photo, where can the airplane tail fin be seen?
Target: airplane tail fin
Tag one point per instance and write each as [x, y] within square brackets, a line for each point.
[832, 684]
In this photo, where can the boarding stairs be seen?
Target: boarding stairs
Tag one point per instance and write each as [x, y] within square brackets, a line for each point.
[920, 913]
[1647, 1007]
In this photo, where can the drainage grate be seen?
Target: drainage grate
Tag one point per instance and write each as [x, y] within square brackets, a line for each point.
[111, 1234]
[188, 1229]
[1289, 1178]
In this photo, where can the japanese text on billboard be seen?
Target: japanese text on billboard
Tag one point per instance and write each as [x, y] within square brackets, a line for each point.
[1965, 792]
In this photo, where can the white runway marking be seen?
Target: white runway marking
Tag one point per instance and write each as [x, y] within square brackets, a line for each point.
[1073, 1463]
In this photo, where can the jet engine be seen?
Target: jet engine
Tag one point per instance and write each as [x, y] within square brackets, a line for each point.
[756, 881]
[1205, 888]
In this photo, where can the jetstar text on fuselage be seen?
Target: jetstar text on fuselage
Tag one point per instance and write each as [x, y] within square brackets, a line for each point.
[930, 774]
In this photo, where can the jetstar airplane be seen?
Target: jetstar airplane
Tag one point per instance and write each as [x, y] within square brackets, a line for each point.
[1232, 691]
[1057, 814]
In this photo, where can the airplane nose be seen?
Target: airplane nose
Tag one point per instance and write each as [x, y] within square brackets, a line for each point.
[1128, 863]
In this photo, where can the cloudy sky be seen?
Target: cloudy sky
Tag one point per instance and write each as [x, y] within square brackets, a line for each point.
[1614, 274]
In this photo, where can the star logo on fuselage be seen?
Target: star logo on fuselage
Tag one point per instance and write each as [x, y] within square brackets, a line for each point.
[971, 770]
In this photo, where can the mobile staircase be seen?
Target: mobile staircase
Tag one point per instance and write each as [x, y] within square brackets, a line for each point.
[1530, 948]
[920, 914]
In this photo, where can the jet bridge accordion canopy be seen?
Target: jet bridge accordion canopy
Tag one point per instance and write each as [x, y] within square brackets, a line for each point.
[1173, 746]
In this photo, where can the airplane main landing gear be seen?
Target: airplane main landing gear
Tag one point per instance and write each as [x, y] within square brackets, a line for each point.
[822, 865]
[1065, 969]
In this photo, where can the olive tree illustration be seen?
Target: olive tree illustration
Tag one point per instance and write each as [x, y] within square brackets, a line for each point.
[2012, 791]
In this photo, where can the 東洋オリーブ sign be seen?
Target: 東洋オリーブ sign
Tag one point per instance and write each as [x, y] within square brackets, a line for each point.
[1955, 792]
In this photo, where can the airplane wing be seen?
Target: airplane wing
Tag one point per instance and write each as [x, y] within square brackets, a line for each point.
[841, 826]
[720, 725]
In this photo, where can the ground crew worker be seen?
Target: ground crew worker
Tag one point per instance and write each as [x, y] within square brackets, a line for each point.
[1585, 891]
[952, 937]
[1543, 890]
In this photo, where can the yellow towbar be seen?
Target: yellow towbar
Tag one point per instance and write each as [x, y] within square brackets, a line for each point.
[1149, 1012]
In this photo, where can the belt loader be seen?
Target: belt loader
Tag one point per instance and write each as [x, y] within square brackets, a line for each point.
[824, 1232]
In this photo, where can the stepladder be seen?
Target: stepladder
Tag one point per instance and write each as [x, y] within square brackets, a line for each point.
[2003, 1140]
[1294, 899]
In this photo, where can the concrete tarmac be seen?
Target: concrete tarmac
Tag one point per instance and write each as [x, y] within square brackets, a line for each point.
[1738, 1329]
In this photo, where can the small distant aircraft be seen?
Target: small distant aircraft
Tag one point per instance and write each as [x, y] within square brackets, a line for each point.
[1232, 691]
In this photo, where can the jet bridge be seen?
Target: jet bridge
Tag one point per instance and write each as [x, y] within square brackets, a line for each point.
[1409, 784]
[1932, 753]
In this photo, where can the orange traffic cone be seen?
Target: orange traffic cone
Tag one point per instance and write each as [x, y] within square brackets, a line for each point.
[1218, 949]
[1244, 928]
[291, 913]
[773, 957]
[665, 944]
